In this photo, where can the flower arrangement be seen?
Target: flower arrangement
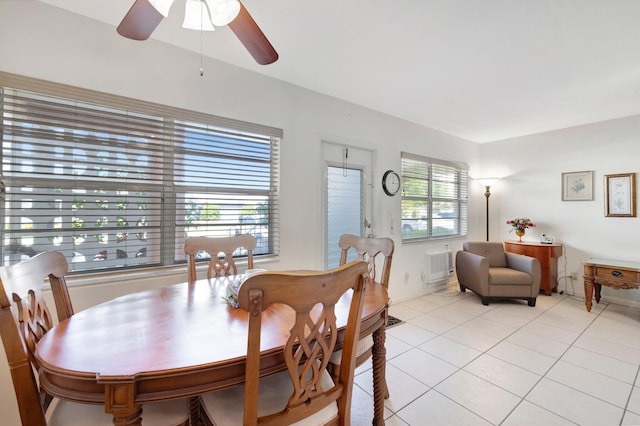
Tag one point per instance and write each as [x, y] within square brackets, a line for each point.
[521, 223]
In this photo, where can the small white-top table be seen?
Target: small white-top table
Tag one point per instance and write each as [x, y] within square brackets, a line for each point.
[618, 274]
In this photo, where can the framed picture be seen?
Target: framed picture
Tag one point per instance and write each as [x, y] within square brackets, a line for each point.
[577, 186]
[620, 195]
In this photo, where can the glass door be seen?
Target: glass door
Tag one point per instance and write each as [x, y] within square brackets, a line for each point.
[347, 196]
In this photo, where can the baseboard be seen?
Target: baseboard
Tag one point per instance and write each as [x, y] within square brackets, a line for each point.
[453, 284]
[430, 289]
[619, 301]
[618, 297]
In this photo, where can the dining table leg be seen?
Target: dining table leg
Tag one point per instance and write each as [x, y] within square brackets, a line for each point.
[194, 410]
[125, 418]
[379, 360]
[119, 401]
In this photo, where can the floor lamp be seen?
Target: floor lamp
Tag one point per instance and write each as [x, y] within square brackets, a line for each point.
[487, 183]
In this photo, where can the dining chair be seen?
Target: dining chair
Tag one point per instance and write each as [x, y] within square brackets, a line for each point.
[214, 247]
[305, 392]
[368, 250]
[21, 329]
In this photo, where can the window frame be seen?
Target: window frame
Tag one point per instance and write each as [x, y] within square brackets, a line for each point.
[427, 222]
[170, 222]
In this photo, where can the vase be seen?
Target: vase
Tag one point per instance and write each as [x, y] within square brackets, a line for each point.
[520, 233]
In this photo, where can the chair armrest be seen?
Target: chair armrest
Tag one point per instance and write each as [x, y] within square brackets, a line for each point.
[527, 264]
[472, 270]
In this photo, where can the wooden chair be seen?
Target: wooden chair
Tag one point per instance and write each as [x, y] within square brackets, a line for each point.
[366, 249]
[21, 333]
[224, 265]
[305, 391]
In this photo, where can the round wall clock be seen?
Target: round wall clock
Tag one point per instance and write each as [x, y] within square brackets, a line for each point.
[390, 183]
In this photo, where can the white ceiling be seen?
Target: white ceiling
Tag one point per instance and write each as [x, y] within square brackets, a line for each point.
[483, 70]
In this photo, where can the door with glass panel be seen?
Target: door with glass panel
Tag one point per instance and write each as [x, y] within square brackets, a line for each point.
[347, 196]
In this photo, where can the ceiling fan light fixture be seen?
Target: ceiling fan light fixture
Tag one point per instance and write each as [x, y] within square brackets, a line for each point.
[196, 16]
[144, 16]
[223, 11]
[162, 6]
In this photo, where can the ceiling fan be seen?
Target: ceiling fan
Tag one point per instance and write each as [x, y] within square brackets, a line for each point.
[145, 15]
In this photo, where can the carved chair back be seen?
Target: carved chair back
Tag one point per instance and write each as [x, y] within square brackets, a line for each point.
[313, 297]
[367, 249]
[221, 252]
[21, 284]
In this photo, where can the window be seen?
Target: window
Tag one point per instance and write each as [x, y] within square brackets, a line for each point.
[434, 198]
[115, 183]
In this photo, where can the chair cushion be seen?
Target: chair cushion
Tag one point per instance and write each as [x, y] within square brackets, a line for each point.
[506, 276]
[67, 413]
[226, 406]
[362, 346]
[492, 251]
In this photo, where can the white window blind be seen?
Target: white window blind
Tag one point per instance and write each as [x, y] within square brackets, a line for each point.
[434, 198]
[114, 183]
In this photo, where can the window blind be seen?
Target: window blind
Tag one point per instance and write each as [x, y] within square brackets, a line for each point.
[434, 198]
[117, 188]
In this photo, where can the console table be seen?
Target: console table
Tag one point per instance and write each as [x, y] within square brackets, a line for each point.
[612, 273]
[547, 255]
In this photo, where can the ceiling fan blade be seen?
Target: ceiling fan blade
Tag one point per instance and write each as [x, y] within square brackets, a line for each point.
[140, 21]
[252, 37]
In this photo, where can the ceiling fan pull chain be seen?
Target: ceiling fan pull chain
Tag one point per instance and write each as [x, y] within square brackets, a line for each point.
[345, 162]
[202, 6]
[201, 59]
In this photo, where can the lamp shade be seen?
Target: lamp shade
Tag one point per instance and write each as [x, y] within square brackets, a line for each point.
[196, 16]
[223, 11]
[162, 6]
[488, 181]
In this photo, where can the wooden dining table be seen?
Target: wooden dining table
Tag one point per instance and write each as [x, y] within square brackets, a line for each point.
[178, 341]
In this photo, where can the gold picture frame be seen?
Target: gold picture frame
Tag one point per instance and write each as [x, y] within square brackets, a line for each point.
[620, 195]
[577, 186]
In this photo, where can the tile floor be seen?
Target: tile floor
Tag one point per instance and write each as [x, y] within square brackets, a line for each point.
[454, 361]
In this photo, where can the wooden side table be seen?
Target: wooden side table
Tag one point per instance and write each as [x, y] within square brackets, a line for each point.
[612, 273]
[547, 255]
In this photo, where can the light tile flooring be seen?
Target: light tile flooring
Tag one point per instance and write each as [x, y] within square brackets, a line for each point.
[456, 362]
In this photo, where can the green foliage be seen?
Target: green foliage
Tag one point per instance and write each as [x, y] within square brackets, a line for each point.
[210, 212]
[262, 210]
[191, 212]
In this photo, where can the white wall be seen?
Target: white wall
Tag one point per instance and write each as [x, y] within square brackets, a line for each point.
[65, 48]
[532, 167]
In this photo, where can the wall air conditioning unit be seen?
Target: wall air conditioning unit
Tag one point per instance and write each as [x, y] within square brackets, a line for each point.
[439, 265]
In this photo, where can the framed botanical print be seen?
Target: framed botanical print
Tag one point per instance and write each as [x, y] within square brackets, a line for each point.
[577, 186]
[620, 195]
